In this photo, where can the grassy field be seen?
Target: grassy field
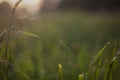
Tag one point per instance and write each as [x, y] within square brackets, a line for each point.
[76, 40]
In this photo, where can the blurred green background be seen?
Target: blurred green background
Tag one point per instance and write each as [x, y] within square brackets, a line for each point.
[68, 37]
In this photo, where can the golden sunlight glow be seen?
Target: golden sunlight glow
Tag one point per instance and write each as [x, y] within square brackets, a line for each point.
[26, 8]
[27, 2]
[31, 7]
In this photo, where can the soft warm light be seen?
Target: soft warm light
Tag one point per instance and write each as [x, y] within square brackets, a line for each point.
[25, 1]
[28, 3]
[29, 8]
[26, 8]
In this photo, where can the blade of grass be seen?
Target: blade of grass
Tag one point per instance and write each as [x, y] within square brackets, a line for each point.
[66, 46]
[81, 77]
[109, 68]
[30, 34]
[5, 65]
[98, 70]
[99, 54]
[60, 71]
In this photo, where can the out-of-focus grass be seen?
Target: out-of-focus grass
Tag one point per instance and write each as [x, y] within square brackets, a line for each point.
[67, 38]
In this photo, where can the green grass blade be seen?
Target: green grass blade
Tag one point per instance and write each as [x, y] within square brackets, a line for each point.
[30, 34]
[98, 70]
[109, 68]
[99, 54]
[19, 72]
[81, 77]
[60, 71]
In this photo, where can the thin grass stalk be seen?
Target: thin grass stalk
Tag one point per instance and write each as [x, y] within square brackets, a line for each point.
[97, 73]
[10, 25]
[109, 71]
[107, 77]
[97, 56]
[81, 77]
[60, 71]
[4, 70]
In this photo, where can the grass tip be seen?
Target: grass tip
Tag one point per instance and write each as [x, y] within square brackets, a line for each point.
[81, 75]
[108, 43]
[59, 65]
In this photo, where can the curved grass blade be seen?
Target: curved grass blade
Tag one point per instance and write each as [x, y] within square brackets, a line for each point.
[29, 34]
[18, 71]
[99, 54]
[109, 68]
[97, 73]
